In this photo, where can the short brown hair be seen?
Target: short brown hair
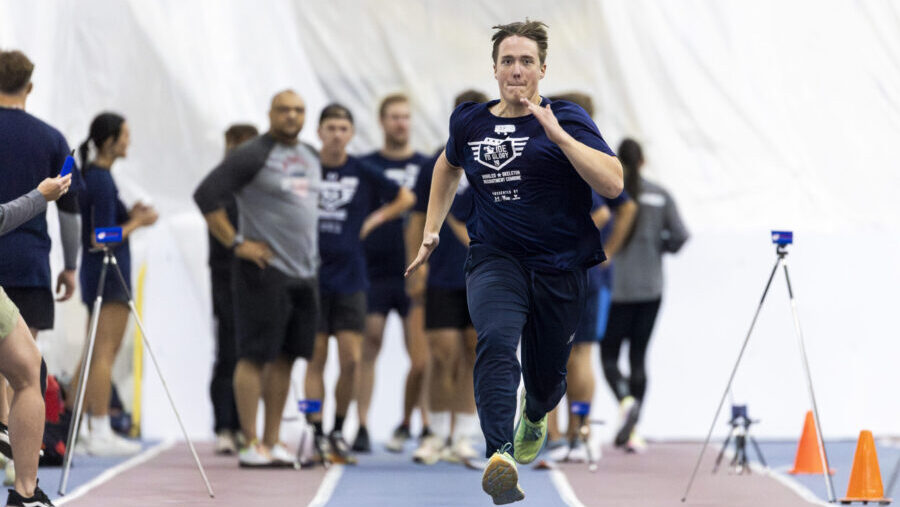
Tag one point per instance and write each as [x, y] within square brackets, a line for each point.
[534, 30]
[470, 96]
[582, 99]
[336, 111]
[394, 98]
[240, 132]
[15, 71]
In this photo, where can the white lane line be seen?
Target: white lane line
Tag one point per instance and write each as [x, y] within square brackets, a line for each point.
[116, 470]
[326, 489]
[564, 489]
[779, 474]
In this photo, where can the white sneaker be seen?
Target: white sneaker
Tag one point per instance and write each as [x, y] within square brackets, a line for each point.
[578, 453]
[281, 456]
[398, 439]
[463, 449]
[110, 444]
[10, 470]
[636, 443]
[429, 452]
[254, 457]
[225, 443]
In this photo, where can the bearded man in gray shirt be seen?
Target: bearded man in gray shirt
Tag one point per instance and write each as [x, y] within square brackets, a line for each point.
[275, 179]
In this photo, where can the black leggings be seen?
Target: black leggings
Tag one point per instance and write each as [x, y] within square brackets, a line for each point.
[633, 322]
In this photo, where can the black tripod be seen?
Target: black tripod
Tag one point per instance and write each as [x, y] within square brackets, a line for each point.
[740, 432]
[781, 240]
[110, 258]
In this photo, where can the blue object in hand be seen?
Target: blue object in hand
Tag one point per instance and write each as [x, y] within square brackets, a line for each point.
[108, 235]
[67, 166]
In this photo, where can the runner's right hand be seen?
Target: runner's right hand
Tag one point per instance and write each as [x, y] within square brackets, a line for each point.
[430, 241]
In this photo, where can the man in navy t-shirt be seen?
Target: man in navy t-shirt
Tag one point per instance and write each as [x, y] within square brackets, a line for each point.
[31, 150]
[386, 254]
[532, 166]
[349, 191]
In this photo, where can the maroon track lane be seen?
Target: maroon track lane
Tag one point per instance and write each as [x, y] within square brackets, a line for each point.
[172, 479]
[660, 476]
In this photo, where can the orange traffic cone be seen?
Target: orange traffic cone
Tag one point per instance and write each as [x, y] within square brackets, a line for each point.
[865, 478]
[809, 460]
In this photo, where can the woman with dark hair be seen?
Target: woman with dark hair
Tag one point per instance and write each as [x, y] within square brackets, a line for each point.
[637, 289]
[101, 207]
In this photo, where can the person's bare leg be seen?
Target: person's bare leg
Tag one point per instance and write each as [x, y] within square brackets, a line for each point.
[350, 357]
[20, 362]
[445, 345]
[5, 395]
[314, 385]
[580, 379]
[417, 348]
[372, 341]
[276, 384]
[247, 391]
[110, 331]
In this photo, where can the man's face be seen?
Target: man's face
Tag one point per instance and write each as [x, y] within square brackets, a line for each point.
[335, 133]
[518, 68]
[395, 123]
[287, 115]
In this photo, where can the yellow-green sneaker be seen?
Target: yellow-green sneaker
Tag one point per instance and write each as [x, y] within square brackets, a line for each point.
[530, 436]
[501, 478]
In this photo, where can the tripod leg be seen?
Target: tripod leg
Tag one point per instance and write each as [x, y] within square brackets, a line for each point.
[75, 423]
[809, 384]
[722, 452]
[759, 453]
[730, 381]
[140, 323]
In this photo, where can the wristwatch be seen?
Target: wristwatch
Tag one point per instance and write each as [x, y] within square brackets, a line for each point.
[238, 239]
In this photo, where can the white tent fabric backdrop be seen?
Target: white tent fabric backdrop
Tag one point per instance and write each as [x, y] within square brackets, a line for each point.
[756, 116]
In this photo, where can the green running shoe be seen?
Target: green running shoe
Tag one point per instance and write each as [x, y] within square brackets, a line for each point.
[530, 437]
[501, 478]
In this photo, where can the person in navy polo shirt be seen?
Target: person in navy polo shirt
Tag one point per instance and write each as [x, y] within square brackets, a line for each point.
[532, 165]
[386, 253]
[349, 189]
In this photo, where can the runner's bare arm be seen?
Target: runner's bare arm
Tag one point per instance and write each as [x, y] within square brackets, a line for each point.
[444, 183]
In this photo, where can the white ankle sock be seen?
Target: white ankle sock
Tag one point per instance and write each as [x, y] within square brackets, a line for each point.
[439, 422]
[100, 426]
[465, 426]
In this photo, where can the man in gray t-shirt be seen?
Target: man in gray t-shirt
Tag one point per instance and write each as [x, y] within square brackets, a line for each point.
[275, 180]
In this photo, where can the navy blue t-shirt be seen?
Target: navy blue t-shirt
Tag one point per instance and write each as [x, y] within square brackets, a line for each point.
[601, 276]
[386, 248]
[445, 266]
[346, 197]
[100, 207]
[528, 200]
[30, 150]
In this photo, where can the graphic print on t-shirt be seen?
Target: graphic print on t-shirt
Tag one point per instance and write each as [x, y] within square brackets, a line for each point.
[496, 154]
[294, 166]
[404, 176]
[335, 193]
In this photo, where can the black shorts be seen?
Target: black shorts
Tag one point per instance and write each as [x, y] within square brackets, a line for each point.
[274, 314]
[388, 294]
[343, 312]
[35, 305]
[446, 308]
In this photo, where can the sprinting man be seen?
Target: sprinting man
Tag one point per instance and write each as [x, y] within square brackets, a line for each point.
[532, 165]
[386, 249]
[350, 190]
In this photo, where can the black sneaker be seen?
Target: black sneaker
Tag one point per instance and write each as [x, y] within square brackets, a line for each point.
[396, 443]
[5, 448]
[340, 449]
[361, 442]
[39, 499]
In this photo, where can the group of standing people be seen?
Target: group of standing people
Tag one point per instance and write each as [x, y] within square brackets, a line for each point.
[32, 156]
[310, 244]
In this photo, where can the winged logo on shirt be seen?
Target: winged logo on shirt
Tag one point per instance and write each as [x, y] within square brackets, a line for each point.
[335, 193]
[497, 153]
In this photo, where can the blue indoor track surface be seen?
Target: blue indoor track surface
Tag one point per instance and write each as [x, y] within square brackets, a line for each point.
[84, 469]
[378, 477]
[780, 457]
